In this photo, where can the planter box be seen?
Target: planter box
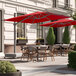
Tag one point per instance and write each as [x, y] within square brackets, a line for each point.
[18, 73]
[22, 41]
[40, 41]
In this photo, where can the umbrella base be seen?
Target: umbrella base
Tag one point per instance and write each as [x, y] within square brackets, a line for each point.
[8, 55]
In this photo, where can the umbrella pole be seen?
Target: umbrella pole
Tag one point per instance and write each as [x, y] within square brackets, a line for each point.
[14, 38]
[15, 32]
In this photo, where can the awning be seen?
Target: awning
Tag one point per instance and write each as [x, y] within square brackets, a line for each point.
[60, 23]
[36, 17]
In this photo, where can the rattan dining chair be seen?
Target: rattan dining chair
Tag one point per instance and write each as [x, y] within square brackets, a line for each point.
[51, 52]
[57, 49]
[42, 52]
[71, 47]
[65, 48]
[25, 53]
[32, 53]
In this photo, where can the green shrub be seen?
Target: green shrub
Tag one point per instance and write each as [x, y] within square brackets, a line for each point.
[75, 47]
[7, 67]
[72, 59]
[66, 37]
[74, 17]
[50, 37]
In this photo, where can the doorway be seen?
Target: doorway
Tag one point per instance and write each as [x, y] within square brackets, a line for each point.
[56, 34]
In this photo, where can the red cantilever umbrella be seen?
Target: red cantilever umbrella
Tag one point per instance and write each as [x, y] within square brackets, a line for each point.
[36, 17]
[60, 23]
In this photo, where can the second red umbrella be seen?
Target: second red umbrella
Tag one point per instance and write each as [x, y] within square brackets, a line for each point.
[60, 23]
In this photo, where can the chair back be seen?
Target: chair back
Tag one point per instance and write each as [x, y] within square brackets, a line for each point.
[23, 47]
[56, 46]
[65, 46]
[32, 49]
[51, 48]
[43, 47]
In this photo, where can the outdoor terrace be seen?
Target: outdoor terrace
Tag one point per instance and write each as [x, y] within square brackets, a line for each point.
[46, 68]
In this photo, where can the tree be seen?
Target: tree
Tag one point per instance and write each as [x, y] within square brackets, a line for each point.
[50, 36]
[66, 37]
[74, 17]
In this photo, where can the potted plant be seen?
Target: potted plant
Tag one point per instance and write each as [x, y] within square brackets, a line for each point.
[50, 36]
[21, 41]
[66, 36]
[8, 69]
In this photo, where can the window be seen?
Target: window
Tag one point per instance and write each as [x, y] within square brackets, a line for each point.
[67, 2]
[39, 30]
[55, 3]
[20, 28]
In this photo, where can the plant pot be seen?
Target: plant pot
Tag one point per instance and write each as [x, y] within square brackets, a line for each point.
[40, 41]
[18, 73]
[22, 41]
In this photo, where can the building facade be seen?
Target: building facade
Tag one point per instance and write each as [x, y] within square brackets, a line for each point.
[13, 8]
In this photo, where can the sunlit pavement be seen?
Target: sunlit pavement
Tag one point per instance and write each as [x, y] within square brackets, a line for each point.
[46, 68]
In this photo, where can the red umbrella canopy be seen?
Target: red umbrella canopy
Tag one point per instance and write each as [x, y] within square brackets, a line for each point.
[60, 23]
[36, 17]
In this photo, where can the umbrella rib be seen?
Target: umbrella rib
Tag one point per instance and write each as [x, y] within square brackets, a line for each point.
[60, 23]
[44, 16]
[33, 20]
[38, 16]
[47, 15]
[23, 20]
[28, 17]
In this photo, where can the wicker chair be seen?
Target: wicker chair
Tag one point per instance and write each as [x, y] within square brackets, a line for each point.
[42, 53]
[71, 47]
[51, 52]
[32, 53]
[57, 49]
[65, 48]
[25, 53]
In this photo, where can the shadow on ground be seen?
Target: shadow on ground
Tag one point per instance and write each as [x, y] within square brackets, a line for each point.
[19, 60]
[14, 60]
[59, 69]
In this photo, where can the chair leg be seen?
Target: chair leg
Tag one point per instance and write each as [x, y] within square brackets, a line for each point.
[45, 56]
[28, 57]
[66, 52]
[22, 56]
[52, 58]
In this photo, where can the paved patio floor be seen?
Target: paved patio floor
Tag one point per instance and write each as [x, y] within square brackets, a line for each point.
[46, 68]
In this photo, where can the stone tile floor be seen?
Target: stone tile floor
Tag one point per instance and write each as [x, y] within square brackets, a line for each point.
[46, 68]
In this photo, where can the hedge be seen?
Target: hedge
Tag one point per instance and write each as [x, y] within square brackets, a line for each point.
[72, 59]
